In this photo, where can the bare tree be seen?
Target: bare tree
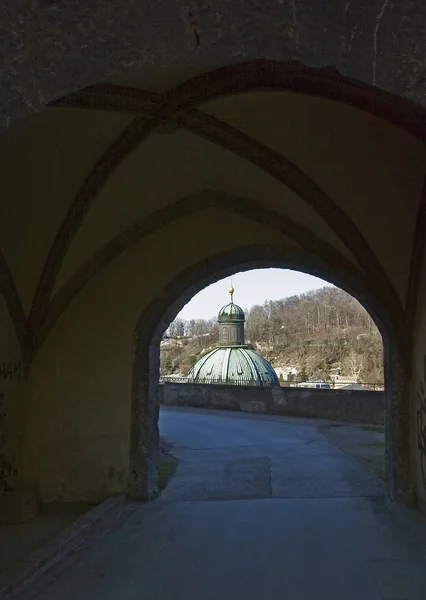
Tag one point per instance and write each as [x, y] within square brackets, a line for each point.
[177, 328]
[324, 331]
[356, 363]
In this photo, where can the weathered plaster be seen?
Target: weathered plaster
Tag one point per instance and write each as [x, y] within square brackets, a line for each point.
[259, 75]
[12, 384]
[417, 259]
[417, 399]
[79, 388]
[195, 203]
[52, 48]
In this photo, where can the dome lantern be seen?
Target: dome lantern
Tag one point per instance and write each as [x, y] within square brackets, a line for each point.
[231, 320]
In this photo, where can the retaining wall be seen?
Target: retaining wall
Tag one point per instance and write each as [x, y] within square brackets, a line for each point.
[356, 406]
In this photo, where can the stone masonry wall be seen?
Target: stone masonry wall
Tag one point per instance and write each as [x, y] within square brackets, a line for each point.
[342, 405]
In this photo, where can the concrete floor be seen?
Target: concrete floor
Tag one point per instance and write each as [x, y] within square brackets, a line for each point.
[260, 507]
[18, 540]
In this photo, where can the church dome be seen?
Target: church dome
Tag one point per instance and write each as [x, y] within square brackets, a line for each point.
[233, 366]
[231, 312]
[232, 362]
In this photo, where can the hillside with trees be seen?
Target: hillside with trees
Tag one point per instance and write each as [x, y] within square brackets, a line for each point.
[321, 334]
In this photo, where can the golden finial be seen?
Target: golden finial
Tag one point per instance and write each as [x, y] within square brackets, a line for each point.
[231, 291]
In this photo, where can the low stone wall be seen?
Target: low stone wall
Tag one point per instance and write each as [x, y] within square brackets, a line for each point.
[355, 406]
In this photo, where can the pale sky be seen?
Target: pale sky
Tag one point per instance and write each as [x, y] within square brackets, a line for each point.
[251, 287]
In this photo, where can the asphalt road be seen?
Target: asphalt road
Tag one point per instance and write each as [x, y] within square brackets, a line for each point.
[260, 507]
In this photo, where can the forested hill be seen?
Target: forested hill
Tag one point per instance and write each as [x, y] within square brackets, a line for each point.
[321, 333]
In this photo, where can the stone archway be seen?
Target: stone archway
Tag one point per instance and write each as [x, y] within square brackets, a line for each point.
[291, 56]
[157, 316]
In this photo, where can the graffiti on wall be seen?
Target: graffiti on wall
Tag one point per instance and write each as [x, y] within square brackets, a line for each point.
[10, 370]
[421, 423]
[6, 465]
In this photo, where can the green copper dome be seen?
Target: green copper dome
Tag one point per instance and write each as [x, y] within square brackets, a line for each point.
[232, 362]
[238, 365]
[231, 312]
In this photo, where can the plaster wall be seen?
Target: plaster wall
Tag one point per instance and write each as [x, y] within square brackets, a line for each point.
[371, 170]
[336, 144]
[418, 398]
[12, 387]
[79, 390]
[43, 162]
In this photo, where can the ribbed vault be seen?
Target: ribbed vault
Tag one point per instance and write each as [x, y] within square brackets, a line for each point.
[175, 110]
[153, 181]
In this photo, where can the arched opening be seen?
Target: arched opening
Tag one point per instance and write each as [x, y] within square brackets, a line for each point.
[324, 166]
[205, 163]
[154, 321]
[308, 329]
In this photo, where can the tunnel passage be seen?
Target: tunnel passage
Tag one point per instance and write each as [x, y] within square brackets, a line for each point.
[142, 190]
[146, 364]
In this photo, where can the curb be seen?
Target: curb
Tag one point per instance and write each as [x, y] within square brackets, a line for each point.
[69, 540]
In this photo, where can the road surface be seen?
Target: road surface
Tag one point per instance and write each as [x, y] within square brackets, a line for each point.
[260, 507]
